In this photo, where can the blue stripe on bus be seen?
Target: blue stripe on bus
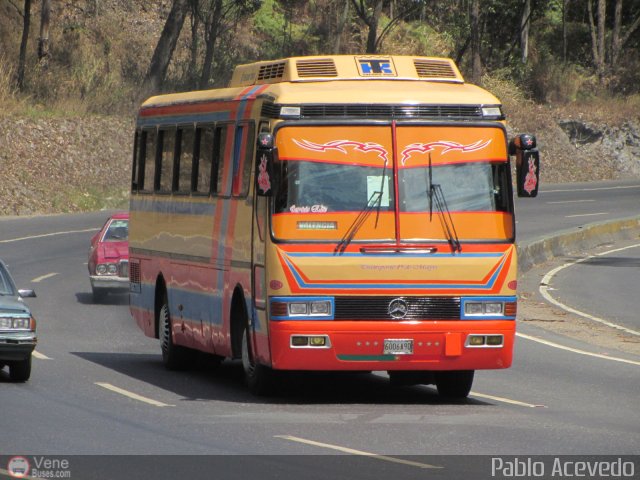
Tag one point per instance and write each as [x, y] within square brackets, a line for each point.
[395, 286]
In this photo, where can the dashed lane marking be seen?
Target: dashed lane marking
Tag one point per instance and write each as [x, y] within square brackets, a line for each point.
[132, 395]
[506, 400]
[351, 451]
[44, 277]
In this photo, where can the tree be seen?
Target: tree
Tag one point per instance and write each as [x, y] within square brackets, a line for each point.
[166, 45]
[476, 59]
[26, 17]
[43, 40]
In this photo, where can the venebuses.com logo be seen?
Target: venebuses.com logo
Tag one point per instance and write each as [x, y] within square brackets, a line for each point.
[38, 467]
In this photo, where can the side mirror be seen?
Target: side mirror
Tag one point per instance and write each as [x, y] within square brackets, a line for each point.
[24, 293]
[265, 156]
[527, 164]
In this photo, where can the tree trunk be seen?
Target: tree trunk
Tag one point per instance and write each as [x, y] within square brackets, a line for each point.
[166, 45]
[525, 22]
[194, 48]
[43, 41]
[564, 30]
[597, 38]
[23, 44]
[342, 21]
[476, 62]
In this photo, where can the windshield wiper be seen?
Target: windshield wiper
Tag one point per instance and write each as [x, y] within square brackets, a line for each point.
[374, 202]
[434, 193]
[445, 217]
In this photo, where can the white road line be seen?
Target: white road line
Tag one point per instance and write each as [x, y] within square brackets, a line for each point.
[40, 356]
[132, 395]
[10, 240]
[570, 201]
[575, 350]
[587, 215]
[593, 189]
[356, 452]
[546, 282]
[506, 400]
[44, 277]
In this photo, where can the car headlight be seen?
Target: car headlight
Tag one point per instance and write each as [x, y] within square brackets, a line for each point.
[15, 323]
[107, 269]
[488, 307]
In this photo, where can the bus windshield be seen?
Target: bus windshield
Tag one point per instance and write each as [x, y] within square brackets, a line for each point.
[327, 177]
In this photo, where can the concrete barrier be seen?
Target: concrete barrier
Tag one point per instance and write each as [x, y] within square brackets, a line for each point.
[570, 241]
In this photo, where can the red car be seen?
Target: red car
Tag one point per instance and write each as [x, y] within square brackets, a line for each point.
[109, 257]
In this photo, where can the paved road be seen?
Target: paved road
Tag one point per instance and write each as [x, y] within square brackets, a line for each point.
[92, 358]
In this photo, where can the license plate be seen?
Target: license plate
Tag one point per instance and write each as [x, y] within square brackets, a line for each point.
[398, 346]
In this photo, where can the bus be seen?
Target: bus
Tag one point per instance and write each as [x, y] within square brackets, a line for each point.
[330, 213]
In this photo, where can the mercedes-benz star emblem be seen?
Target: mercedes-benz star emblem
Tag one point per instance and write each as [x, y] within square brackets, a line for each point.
[398, 308]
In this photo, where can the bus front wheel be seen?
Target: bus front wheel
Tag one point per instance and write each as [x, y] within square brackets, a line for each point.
[259, 378]
[174, 357]
[455, 383]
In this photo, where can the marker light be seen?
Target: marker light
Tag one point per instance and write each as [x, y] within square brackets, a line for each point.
[290, 111]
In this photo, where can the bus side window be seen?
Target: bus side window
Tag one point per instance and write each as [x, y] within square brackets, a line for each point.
[165, 171]
[148, 165]
[220, 176]
[243, 159]
[183, 166]
[137, 142]
[205, 154]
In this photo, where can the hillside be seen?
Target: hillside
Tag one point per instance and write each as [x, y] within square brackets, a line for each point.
[66, 139]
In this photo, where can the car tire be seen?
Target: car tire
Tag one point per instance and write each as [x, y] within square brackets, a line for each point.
[174, 357]
[260, 379]
[20, 370]
[455, 383]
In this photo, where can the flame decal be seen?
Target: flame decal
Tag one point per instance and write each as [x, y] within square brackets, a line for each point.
[446, 145]
[341, 144]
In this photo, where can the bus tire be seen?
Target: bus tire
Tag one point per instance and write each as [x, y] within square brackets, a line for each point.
[259, 378]
[20, 370]
[174, 357]
[454, 383]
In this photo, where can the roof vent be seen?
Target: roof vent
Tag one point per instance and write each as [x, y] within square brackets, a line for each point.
[435, 69]
[271, 70]
[316, 68]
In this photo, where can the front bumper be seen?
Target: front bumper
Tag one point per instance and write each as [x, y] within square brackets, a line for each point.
[16, 346]
[109, 282]
[360, 347]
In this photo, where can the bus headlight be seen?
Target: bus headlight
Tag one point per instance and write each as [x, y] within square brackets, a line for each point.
[488, 307]
[301, 308]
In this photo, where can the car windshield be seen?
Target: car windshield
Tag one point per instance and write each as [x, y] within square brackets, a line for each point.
[118, 231]
[6, 285]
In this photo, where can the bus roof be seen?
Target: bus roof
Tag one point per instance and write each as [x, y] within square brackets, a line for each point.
[340, 79]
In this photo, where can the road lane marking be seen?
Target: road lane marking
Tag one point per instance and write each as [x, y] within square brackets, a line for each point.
[44, 277]
[586, 215]
[506, 400]
[546, 282]
[351, 451]
[40, 356]
[592, 189]
[10, 240]
[132, 395]
[575, 350]
[570, 201]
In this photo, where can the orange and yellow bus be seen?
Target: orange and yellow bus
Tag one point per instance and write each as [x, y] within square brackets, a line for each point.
[336, 213]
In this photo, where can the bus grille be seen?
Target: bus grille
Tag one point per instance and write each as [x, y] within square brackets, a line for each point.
[381, 111]
[377, 308]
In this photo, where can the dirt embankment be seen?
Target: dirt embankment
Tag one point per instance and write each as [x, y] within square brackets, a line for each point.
[52, 165]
